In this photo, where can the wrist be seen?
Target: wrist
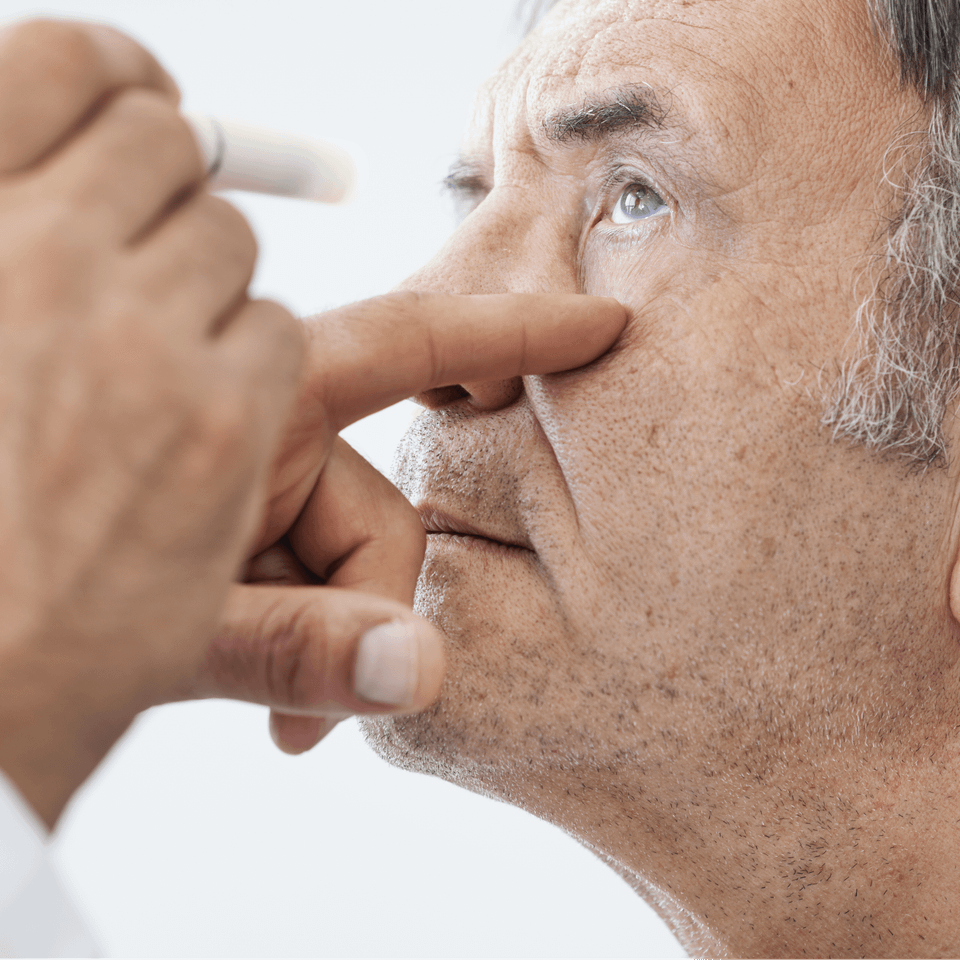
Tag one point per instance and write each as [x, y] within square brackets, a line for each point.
[52, 736]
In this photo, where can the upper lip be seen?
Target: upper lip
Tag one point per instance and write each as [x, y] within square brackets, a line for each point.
[436, 520]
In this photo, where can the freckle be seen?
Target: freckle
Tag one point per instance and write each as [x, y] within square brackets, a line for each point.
[741, 453]
[768, 548]
[674, 580]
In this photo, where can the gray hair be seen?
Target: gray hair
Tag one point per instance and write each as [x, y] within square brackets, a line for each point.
[894, 395]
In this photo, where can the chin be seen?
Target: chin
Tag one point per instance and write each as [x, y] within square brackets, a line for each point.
[393, 740]
[418, 744]
[472, 735]
[527, 697]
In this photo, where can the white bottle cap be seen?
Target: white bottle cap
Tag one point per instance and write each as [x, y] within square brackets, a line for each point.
[241, 157]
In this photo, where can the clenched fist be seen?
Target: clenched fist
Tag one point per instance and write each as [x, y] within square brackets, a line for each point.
[142, 399]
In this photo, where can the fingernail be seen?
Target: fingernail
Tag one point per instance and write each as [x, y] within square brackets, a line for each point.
[388, 664]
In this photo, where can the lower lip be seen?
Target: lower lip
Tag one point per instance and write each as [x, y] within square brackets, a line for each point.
[464, 541]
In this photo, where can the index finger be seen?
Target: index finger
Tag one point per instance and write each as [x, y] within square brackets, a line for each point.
[55, 73]
[367, 356]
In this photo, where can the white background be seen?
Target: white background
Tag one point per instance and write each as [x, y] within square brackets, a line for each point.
[197, 837]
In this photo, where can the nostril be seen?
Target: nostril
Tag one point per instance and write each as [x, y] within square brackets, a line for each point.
[484, 395]
[493, 394]
[441, 397]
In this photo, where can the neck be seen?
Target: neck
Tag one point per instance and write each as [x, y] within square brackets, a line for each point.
[830, 861]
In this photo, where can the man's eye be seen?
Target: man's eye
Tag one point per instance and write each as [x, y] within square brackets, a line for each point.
[637, 202]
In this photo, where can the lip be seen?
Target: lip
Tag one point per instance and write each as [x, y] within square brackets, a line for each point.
[445, 526]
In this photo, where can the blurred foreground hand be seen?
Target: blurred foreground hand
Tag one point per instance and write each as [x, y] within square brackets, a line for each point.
[143, 397]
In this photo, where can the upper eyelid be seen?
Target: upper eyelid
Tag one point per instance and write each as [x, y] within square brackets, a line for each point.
[623, 175]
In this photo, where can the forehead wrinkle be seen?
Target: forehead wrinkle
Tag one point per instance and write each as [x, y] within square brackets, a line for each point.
[609, 46]
[618, 53]
[588, 47]
[579, 67]
[572, 57]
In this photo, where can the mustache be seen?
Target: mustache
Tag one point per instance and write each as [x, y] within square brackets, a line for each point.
[476, 467]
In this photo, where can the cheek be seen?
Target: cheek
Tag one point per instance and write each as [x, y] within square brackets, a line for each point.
[643, 435]
[688, 463]
[621, 437]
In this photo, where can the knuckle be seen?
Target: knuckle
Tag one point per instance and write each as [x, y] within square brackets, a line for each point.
[229, 230]
[143, 107]
[284, 333]
[407, 517]
[151, 123]
[210, 413]
[214, 449]
[405, 304]
[380, 513]
[407, 527]
[414, 311]
[291, 659]
[63, 49]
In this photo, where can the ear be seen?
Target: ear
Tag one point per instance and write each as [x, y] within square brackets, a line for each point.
[955, 587]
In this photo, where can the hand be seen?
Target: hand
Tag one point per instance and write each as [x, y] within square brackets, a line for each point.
[305, 650]
[144, 397]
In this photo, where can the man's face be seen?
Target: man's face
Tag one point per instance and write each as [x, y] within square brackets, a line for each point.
[694, 587]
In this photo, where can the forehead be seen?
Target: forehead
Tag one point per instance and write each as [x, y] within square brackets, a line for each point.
[738, 72]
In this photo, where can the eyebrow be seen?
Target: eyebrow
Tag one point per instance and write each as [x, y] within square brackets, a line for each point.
[466, 178]
[635, 107]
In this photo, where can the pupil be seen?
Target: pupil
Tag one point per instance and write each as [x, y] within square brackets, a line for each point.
[634, 203]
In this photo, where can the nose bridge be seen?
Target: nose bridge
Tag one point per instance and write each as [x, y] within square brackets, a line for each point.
[509, 244]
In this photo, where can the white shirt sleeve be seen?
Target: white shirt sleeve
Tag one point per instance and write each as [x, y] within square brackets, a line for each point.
[37, 918]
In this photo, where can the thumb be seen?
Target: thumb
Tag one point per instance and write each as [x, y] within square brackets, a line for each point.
[316, 655]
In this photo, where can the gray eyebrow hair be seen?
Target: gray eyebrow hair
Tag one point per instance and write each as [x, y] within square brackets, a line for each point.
[634, 106]
[465, 177]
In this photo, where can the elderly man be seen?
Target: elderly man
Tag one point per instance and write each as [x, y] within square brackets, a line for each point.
[702, 595]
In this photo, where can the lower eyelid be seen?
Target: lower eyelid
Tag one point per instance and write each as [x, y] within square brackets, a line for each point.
[639, 231]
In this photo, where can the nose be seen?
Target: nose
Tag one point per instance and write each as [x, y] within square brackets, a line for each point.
[502, 247]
